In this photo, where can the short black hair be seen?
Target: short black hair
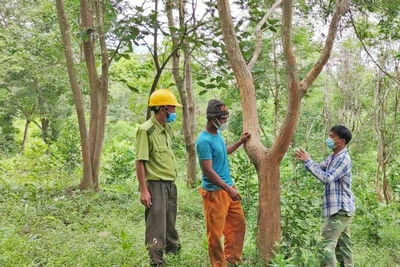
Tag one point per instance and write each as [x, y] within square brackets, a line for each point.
[156, 109]
[342, 132]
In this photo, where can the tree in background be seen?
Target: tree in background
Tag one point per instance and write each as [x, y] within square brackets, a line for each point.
[267, 160]
[177, 36]
[32, 78]
[380, 40]
[92, 31]
[184, 82]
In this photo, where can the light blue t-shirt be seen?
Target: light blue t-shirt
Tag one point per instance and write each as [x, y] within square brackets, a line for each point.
[212, 147]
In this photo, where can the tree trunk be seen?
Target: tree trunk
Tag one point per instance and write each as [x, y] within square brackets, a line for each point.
[378, 126]
[87, 181]
[102, 92]
[26, 130]
[43, 118]
[185, 88]
[377, 183]
[269, 212]
[386, 189]
[190, 120]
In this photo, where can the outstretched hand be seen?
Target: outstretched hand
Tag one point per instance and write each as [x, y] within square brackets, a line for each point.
[301, 154]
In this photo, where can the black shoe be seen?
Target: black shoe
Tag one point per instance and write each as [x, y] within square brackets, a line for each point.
[174, 250]
[158, 263]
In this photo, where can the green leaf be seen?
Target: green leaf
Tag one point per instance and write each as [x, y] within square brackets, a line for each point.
[272, 29]
[201, 84]
[200, 77]
[126, 56]
[85, 37]
[203, 92]
[210, 86]
[134, 89]
[223, 85]
[134, 32]
[273, 21]
[214, 44]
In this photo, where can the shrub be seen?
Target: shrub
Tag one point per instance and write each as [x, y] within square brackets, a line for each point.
[118, 152]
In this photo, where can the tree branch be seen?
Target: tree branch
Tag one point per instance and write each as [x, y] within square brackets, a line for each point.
[115, 51]
[340, 8]
[258, 34]
[368, 53]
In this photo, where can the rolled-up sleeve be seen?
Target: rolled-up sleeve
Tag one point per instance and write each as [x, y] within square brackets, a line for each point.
[142, 145]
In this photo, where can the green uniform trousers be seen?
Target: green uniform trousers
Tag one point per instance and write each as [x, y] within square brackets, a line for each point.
[336, 240]
[161, 235]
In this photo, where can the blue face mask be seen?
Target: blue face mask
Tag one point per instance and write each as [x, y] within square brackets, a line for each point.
[171, 117]
[330, 143]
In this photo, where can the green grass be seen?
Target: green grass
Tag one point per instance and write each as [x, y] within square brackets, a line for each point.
[63, 227]
[46, 223]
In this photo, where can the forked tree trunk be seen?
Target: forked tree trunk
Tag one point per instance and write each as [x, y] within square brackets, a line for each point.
[91, 144]
[87, 181]
[28, 121]
[98, 85]
[267, 161]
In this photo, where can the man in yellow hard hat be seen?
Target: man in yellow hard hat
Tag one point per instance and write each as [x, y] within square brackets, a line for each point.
[156, 173]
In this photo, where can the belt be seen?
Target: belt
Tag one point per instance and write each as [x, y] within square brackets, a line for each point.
[161, 181]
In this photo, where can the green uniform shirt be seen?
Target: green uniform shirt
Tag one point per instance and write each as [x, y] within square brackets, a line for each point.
[154, 147]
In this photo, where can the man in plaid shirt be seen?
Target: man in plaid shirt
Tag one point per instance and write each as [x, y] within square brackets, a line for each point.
[338, 202]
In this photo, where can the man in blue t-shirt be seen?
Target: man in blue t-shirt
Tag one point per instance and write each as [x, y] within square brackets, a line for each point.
[222, 209]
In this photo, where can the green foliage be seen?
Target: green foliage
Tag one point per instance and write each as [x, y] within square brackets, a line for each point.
[280, 260]
[7, 134]
[118, 153]
[301, 212]
[68, 147]
[245, 177]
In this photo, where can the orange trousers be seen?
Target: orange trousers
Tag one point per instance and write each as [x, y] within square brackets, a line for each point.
[224, 219]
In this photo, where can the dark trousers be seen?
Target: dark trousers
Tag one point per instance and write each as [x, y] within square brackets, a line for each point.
[161, 234]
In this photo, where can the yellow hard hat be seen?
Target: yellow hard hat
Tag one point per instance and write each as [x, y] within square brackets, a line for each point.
[163, 97]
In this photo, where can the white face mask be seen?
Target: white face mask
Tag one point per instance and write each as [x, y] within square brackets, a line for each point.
[221, 127]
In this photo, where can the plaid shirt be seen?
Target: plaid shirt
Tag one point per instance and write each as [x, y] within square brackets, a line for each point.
[335, 173]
